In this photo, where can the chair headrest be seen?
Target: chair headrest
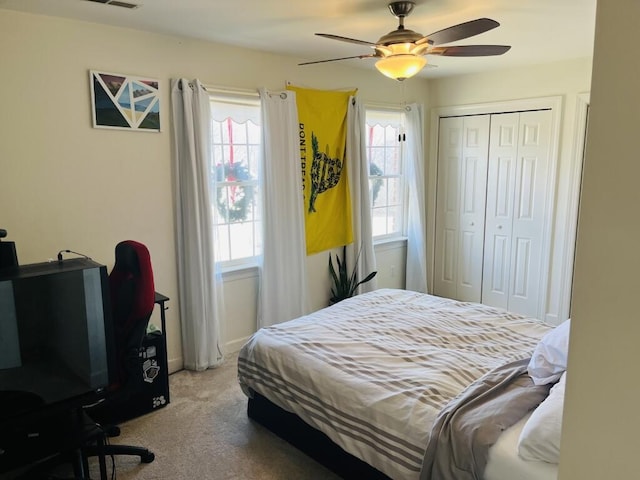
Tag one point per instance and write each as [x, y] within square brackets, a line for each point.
[131, 256]
[133, 261]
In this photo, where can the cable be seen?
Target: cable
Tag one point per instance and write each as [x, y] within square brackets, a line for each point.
[113, 461]
[71, 251]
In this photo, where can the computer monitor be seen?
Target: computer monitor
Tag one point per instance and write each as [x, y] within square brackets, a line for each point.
[56, 335]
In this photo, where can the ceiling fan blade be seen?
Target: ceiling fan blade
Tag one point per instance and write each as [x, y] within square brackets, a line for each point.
[460, 31]
[469, 50]
[346, 39]
[341, 58]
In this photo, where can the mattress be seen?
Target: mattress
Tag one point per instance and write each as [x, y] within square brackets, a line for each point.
[373, 372]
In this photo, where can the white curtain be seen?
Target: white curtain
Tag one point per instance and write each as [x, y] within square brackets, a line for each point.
[283, 277]
[199, 288]
[416, 270]
[358, 172]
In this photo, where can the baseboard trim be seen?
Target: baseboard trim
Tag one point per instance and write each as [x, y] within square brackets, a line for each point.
[175, 364]
[235, 345]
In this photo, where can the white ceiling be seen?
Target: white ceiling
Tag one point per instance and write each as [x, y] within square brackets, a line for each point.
[539, 31]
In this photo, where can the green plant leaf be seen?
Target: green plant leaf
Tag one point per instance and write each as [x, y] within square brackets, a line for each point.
[369, 277]
[345, 284]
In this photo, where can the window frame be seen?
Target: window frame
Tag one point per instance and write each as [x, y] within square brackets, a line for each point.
[400, 234]
[242, 99]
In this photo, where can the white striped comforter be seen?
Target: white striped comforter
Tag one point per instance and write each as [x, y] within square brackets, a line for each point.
[372, 372]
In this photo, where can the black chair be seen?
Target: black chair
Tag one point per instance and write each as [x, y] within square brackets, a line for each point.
[132, 301]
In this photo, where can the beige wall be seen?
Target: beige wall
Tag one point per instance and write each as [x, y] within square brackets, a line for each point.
[560, 78]
[601, 420]
[66, 185]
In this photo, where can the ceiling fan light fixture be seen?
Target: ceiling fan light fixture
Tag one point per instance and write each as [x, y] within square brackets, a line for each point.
[401, 66]
[405, 48]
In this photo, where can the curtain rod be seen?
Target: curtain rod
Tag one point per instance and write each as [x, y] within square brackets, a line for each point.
[244, 92]
[385, 106]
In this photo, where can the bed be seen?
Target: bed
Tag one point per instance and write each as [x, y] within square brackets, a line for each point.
[401, 385]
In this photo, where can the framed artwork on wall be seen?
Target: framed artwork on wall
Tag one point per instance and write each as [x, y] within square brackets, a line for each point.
[124, 102]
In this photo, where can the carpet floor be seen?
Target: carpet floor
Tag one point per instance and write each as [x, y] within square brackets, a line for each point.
[204, 433]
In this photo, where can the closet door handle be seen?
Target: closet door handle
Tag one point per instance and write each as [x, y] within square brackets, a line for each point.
[499, 227]
[471, 224]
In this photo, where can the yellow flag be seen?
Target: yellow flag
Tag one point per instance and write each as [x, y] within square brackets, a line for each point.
[322, 117]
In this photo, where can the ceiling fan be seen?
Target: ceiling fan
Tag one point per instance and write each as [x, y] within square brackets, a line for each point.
[401, 52]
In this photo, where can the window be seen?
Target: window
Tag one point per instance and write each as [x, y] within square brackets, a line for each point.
[234, 186]
[386, 172]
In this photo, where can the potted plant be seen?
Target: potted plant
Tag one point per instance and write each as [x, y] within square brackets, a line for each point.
[345, 284]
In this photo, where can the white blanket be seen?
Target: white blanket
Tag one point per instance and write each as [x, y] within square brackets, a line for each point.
[372, 372]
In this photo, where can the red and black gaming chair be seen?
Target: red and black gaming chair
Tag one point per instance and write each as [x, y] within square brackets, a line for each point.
[132, 300]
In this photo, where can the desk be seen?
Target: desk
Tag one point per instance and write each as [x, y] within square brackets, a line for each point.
[160, 300]
[153, 393]
[57, 434]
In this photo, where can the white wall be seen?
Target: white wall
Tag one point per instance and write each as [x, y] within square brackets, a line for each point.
[565, 79]
[601, 420]
[65, 185]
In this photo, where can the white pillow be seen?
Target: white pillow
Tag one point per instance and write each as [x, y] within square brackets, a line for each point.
[549, 359]
[540, 436]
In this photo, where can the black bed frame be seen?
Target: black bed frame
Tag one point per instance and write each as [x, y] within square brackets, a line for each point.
[307, 439]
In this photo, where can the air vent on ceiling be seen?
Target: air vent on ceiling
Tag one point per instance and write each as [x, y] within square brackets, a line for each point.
[116, 3]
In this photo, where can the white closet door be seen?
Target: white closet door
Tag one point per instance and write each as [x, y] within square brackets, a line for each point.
[516, 204]
[461, 199]
[501, 178]
[529, 210]
[447, 214]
